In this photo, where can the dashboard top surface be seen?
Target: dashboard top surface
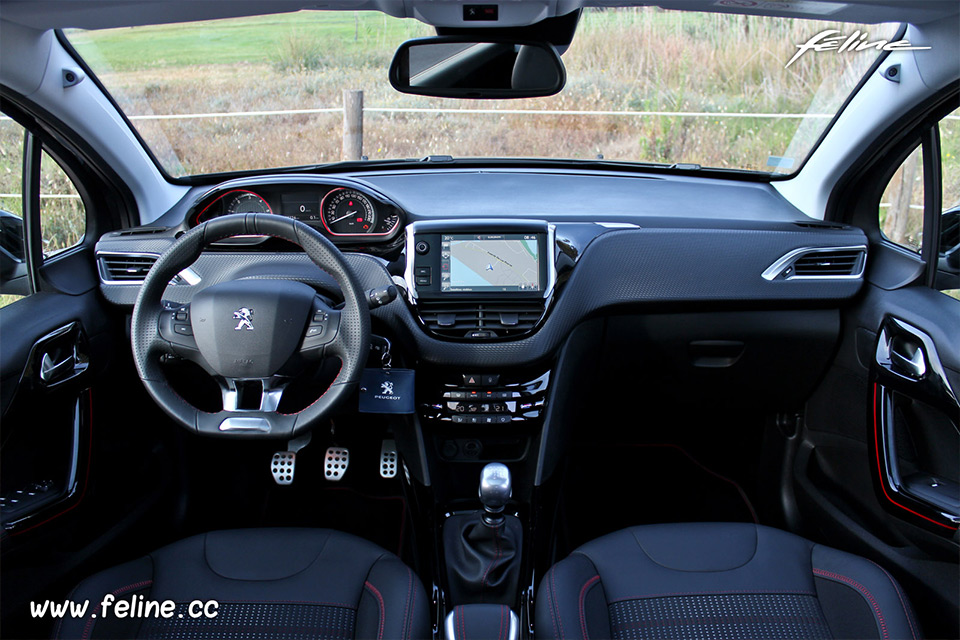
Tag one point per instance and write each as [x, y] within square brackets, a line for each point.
[551, 195]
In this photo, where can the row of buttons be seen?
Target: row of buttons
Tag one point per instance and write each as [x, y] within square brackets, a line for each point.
[315, 328]
[481, 380]
[422, 276]
[461, 407]
[181, 318]
[480, 395]
[487, 419]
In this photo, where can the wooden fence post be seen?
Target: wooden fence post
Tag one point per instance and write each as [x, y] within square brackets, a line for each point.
[352, 125]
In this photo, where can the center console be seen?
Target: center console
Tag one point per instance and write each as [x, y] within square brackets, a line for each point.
[488, 282]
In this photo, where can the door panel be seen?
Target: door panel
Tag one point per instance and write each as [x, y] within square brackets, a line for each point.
[878, 432]
[54, 348]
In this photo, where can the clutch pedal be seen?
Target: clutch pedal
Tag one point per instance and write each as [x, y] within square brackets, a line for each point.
[335, 463]
[283, 465]
[388, 459]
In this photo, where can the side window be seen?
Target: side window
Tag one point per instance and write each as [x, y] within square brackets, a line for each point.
[901, 206]
[948, 279]
[62, 214]
[11, 216]
[63, 220]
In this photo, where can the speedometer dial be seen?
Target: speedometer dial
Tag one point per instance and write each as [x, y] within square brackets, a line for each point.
[347, 212]
[247, 202]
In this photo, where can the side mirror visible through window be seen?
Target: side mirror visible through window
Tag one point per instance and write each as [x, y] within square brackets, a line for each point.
[950, 241]
[13, 267]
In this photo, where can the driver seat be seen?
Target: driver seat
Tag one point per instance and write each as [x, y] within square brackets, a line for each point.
[288, 584]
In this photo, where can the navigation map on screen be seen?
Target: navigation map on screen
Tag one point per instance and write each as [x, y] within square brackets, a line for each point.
[490, 262]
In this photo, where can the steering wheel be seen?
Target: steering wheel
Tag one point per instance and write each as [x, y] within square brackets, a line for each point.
[245, 332]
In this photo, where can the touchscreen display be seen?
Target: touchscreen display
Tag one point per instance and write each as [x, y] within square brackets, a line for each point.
[490, 262]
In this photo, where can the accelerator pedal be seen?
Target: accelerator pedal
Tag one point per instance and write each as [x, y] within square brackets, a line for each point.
[388, 459]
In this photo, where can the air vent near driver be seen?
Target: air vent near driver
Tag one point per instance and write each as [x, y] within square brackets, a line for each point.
[480, 320]
[125, 267]
[819, 262]
[132, 268]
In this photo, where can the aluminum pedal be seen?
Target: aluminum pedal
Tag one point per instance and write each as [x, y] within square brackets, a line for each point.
[283, 466]
[335, 463]
[388, 459]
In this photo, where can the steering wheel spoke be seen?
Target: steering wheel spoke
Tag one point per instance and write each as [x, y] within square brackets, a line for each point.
[261, 395]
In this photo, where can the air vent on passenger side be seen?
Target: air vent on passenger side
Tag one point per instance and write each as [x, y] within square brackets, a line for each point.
[819, 262]
[480, 320]
[125, 268]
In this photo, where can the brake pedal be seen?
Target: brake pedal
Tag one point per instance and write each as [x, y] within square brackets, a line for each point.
[388, 459]
[335, 463]
[283, 465]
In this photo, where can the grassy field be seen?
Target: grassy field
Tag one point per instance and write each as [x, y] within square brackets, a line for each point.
[620, 60]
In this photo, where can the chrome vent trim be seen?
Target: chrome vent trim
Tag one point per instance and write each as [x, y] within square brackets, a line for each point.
[819, 263]
[506, 319]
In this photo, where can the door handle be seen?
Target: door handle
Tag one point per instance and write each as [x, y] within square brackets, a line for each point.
[907, 357]
[51, 371]
[58, 357]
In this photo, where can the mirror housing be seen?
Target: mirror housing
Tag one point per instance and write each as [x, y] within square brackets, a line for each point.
[471, 68]
[13, 267]
[949, 248]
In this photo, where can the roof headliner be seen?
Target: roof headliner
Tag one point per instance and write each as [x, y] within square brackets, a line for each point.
[97, 14]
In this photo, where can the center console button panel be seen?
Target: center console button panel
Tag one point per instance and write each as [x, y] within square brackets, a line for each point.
[486, 399]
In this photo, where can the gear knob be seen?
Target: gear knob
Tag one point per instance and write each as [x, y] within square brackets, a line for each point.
[496, 487]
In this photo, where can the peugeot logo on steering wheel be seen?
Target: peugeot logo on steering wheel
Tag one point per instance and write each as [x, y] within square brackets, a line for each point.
[245, 316]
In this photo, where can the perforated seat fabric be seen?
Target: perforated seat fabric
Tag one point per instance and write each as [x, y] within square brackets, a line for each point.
[718, 580]
[269, 584]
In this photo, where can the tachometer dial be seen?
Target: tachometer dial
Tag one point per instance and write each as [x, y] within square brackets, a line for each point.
[247, 202]
[347, 212]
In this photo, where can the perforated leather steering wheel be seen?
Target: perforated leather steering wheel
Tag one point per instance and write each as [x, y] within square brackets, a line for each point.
[243, 332]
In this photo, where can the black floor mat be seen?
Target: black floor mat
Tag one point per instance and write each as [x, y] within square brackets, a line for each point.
[379, 519]
[611, 487]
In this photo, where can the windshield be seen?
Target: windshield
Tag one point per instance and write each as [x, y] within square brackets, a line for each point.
[643, 85]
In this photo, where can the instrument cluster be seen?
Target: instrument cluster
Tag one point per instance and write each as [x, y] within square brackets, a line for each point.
[340, 212]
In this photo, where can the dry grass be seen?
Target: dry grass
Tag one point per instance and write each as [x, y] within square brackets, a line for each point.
[632, 59]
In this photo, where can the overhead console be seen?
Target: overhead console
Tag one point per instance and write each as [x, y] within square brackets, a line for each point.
[479, 280]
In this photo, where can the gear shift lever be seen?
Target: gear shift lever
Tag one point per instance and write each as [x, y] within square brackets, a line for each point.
[483, 548]
[496, 488]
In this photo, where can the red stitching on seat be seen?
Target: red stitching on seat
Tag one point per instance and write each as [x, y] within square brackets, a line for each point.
[553, 580]
[914, 632]
[372, 589]
[500, 625]
[583, 594]
[863, 590]
[130, 587]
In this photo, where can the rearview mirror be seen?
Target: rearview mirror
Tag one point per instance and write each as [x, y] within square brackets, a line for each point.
[456, 67]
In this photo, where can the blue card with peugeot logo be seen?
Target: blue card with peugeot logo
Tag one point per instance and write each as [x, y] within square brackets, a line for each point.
[387, 391]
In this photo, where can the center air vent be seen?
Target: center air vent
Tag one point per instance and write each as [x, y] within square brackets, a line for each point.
[122, 268]
[825, 262]
[480, 320]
